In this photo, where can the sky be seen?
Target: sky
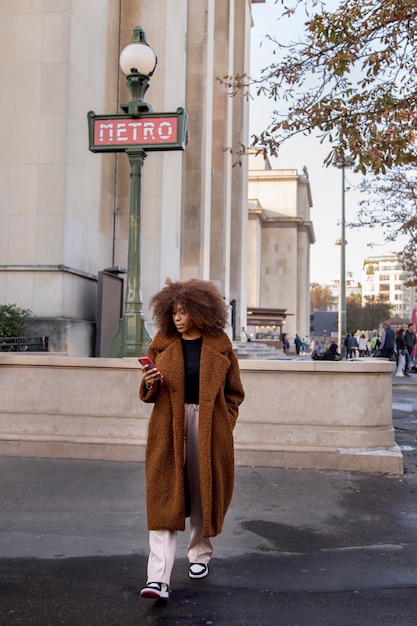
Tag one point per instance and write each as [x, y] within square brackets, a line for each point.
[325, 182]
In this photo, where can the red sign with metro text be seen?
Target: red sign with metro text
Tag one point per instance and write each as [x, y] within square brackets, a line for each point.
[127, 133]
[135, 131]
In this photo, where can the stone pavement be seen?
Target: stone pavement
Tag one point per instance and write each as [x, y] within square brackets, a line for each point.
[299, 547]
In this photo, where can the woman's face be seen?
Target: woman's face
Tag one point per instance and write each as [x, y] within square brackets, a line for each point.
[183, 322]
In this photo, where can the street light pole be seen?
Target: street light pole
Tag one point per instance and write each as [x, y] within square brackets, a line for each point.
[133, 338]
[342, 163]
[138, 61]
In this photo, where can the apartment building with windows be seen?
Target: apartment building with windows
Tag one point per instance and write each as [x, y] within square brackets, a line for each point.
[384, 279]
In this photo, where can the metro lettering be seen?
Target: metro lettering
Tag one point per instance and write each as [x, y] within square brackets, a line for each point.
[156, 130]
[148, 131]
[168, 130]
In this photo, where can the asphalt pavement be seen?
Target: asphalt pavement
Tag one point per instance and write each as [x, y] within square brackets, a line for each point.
[298, 547]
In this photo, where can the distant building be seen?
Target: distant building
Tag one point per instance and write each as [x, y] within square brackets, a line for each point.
[280, 233]
[383, 279]
[323, 324]
[353, 288]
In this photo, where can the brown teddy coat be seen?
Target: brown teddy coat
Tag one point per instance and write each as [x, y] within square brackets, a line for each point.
[221, 393]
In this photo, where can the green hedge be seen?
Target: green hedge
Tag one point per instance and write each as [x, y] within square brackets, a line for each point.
[13, 320]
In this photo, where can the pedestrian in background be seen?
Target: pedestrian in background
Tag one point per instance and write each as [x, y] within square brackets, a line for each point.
[374, 343]
[346, 345]
[387, 342]
[401, 350]
[362, 345]
[285, 344]
[352, 346]
[410, 342]
[196, 388]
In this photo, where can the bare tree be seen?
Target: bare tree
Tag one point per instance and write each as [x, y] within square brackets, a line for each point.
[391, 202]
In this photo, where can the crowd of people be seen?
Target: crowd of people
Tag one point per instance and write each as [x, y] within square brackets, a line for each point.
[399, 346]
[405, 350]
[395, 345]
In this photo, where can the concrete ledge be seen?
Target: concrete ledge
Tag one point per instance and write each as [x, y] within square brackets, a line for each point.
[306, 414]
[318, 414]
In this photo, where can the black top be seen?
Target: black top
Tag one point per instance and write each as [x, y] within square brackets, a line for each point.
[401, 345]
[410, 339]
[191, 349]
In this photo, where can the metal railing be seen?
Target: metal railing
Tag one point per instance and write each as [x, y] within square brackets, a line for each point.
[24, 344]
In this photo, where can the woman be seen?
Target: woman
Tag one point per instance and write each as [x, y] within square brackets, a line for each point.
[401, 349]
[197, 390]
[362, 345]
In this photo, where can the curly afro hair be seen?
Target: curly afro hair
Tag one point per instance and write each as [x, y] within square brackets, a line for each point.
[199, 298]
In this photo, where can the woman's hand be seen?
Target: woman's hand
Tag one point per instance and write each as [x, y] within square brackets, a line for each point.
[150, 375]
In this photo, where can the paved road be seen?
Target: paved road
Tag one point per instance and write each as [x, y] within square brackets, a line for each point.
[405, 421]
[316, 548]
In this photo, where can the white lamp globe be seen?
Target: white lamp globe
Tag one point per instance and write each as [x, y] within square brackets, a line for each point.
[138, 57]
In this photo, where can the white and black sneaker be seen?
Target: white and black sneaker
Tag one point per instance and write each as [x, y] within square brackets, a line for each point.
[154, 591]
[198, 570]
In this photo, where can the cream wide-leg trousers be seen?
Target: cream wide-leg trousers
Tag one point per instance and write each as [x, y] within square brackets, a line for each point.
[163, 543]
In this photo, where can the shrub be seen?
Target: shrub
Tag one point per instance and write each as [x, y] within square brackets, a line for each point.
[13, 320]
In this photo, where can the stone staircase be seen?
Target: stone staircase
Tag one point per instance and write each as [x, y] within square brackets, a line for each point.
[253, 350]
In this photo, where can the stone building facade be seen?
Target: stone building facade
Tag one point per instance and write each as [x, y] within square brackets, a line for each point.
[280, 233]
[64, 211]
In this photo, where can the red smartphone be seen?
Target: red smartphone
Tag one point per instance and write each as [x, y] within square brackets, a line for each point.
[145, 361]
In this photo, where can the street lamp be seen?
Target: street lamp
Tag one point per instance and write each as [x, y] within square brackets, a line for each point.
[138, 61]
[136, 131]
[342, 163]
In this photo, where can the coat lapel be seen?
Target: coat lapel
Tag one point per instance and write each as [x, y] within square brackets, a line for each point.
[171, 360]
[213, 368]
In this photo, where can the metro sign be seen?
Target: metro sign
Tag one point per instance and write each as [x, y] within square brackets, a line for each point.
[150, 131]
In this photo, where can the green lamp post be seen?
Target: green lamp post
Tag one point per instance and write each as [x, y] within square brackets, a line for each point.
[138, 61]
[136, 131]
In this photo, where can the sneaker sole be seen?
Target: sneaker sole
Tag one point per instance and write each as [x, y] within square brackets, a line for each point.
[203, 575]
[153, 595]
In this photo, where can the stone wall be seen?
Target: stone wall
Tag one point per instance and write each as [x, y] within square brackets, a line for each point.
[296, 414]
